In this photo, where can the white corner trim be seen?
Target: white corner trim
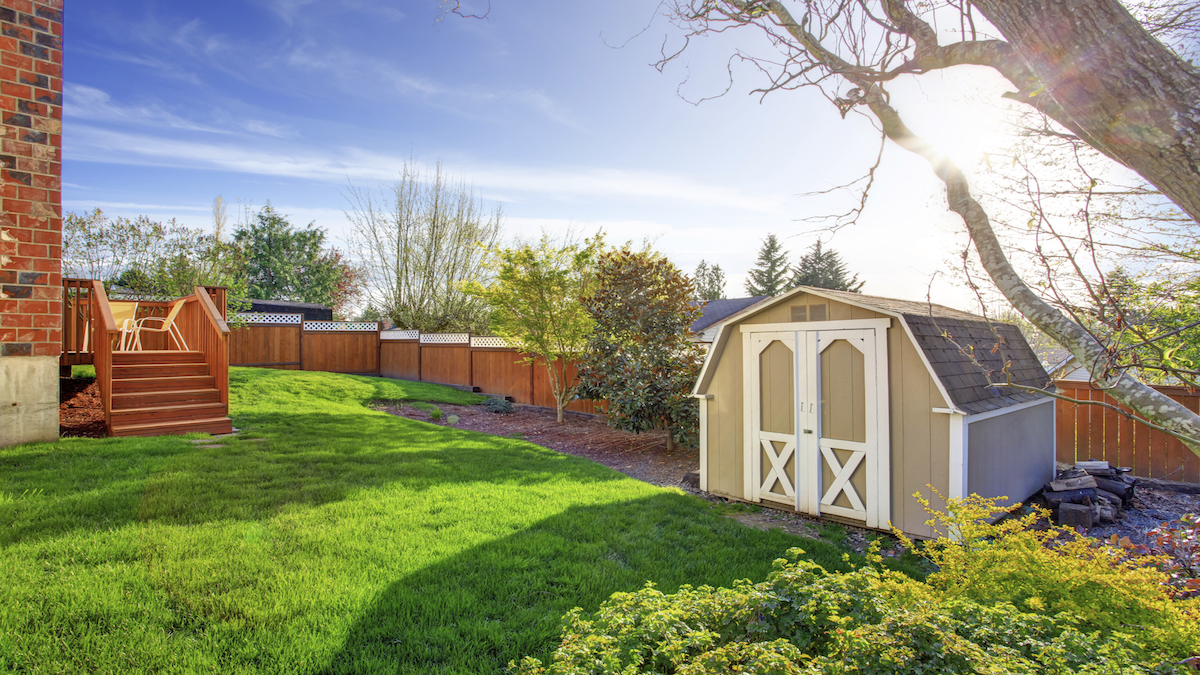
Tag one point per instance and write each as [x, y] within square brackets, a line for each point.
[958, 456]
[851, 324]
[979, 417]
[713, 354]
[704, 443]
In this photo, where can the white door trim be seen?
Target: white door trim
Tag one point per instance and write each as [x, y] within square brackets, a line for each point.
[807, 326]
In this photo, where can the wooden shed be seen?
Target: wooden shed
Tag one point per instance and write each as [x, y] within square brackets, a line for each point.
[843, 405]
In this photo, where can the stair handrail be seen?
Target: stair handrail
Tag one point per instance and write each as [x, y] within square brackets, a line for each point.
[213, 341]
[104, 333]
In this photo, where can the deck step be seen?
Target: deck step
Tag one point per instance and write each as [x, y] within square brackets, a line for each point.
[156, 356]
[211, 425]
[144, 384]
[158, 370]
[169, 412]
[148, 399]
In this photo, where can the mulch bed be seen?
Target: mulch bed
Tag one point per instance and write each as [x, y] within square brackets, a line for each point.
[79, 410]
[640, 456]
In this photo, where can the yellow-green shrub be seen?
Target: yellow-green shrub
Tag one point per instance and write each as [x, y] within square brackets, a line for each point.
[1051, 570]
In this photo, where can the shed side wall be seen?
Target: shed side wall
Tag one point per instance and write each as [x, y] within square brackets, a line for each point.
[1011, 455]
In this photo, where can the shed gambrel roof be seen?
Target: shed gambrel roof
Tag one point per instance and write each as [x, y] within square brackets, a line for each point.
[964, 352]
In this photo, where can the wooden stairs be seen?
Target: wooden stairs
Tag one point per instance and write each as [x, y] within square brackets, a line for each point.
[158, 392]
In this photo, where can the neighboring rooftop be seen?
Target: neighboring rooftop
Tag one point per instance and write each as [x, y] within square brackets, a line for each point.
[311, 310]
[716, 311]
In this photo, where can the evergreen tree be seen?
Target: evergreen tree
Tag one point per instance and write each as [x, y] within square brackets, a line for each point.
[770, 274]
[823, 268]
[710, 282]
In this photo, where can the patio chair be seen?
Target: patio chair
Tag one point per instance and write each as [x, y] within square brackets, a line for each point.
[125, 315]
[167, 326]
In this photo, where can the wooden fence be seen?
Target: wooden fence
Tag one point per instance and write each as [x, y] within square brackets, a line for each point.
[1096, 432]
[482, 363]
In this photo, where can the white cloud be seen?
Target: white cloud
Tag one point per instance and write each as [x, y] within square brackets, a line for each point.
[337, 165]
[89, 103]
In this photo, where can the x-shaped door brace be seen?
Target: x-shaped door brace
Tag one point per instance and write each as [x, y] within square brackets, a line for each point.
[778, 462]
[841, 476]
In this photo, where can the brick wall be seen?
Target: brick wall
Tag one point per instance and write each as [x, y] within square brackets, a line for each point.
[31, 168]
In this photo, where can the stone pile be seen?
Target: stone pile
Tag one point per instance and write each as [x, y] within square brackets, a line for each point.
[1089, 494]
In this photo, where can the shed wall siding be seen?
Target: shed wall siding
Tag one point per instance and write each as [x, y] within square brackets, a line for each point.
[725, 423]
[920, 437]
[1011, 455]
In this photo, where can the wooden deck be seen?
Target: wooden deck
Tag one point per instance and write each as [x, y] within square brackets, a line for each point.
[161, 389]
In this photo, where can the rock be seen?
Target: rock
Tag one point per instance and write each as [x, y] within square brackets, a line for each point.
[1075, 515]
[1064, 484]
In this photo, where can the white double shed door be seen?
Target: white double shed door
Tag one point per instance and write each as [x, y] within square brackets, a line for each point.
[816, 427]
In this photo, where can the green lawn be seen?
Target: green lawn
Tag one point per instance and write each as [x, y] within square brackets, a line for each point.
[344, 540]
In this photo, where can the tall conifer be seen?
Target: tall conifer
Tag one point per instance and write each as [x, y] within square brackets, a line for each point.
[770, 273]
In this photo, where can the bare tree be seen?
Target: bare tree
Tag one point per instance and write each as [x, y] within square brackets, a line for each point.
[419, 244]
[1088, 66]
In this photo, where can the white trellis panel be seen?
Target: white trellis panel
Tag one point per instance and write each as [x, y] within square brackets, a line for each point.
[445, 338]
[341, 326]
[495, 342]
[264, 318]
[399, 334]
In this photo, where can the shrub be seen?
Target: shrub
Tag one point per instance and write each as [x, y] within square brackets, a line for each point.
[1051, 570]
[1176, 546]
[497, 405]
[1004, 600]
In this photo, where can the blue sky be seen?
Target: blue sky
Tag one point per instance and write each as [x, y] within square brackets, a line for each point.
[171, 103]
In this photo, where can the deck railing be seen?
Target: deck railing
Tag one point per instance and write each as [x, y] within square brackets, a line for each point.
[212, 337]
[104, 334]
[77, 321]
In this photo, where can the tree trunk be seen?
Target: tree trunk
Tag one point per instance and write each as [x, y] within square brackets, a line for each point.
[670, 441]
[1111, 83]
[1173, 416]
[561, 406]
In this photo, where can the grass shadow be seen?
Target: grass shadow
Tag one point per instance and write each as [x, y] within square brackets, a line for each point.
[47, 490]
[475, 612]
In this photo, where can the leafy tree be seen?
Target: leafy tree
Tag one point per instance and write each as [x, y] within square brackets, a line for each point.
[770, 274]
[535, 296]
[710, 282]
[420, 245]
[639, 356]
[152, 259]
[1094, 73]
[283, 262]
[823, 268]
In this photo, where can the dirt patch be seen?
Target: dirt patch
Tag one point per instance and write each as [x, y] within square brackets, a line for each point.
[1150, 508]
[79, 409]
[640, 456]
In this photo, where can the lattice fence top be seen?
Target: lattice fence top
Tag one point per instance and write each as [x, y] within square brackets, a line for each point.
[399, 334]
[261, 317]
[342, 325]
[488, 342]
[445, 338]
